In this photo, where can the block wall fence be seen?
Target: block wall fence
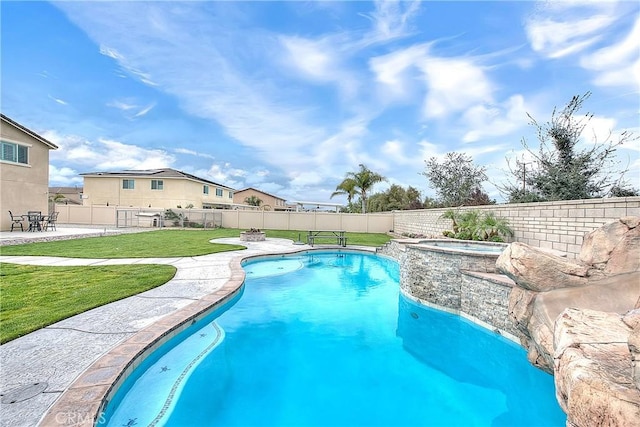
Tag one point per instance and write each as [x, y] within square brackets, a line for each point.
[553, 225]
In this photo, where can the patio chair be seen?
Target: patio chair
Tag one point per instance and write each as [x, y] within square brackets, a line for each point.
[16, 220]
[51, 221]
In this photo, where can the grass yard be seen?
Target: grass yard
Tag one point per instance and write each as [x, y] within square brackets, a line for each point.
[35, 296]
[151, 244]
[32, 297]
[164, 244]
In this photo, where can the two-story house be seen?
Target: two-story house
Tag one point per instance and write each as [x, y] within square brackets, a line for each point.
[157, 188]
[24, 171]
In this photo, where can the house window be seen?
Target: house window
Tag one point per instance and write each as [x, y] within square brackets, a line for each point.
[15, 153]
[230, 195]
[157, 184]
[128, 184]
[219, 192]
[205, 189]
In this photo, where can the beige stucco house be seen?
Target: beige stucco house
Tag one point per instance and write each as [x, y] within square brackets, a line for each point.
[24, 171]
[156, 188]
[269, 201]
[66, 195]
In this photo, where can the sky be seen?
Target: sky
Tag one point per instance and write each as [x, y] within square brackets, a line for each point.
[289, 96]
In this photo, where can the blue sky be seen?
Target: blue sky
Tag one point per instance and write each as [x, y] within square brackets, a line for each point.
[290, 96]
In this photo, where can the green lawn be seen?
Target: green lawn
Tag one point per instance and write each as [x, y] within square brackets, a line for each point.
[164, 244]
[152, 244]
[32, 297]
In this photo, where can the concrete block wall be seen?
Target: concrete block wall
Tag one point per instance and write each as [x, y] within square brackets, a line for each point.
[552, 225]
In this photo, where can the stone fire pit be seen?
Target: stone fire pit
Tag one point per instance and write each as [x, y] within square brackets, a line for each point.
[252, 235]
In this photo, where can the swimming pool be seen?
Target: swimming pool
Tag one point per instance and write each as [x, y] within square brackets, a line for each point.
[324, 338]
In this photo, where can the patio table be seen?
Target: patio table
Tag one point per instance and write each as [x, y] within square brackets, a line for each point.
[36, 220]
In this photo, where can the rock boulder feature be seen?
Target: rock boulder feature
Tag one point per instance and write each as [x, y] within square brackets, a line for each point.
[580, 320]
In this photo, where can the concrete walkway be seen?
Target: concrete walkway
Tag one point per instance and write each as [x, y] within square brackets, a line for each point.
[37, 368]
[62, 232]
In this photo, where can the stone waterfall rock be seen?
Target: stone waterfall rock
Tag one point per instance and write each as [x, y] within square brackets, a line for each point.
[540, 271]
[580, 320]
[594, 385]
[613, 248]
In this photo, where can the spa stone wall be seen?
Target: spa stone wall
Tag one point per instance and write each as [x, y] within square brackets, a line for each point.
[465, 284]
[486, 297]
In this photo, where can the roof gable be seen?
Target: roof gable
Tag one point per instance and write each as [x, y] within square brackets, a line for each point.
[155, 174]
[27, 131]
[259, 191]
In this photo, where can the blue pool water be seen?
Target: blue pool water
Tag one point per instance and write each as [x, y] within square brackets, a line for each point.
[325, 339]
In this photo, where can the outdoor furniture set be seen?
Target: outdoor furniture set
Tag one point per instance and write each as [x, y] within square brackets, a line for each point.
[36, 221]
[339, 235]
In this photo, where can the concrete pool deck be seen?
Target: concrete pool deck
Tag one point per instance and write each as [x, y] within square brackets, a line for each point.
[36, 369]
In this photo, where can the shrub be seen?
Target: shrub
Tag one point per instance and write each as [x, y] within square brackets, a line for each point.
[474, 225]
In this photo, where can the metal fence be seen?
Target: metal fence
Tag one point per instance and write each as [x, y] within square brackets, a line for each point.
[178, 218]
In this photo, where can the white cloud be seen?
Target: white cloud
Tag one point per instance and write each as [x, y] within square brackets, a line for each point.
[453, 85]
[126, 65]
[58, 101]
[595, 31]
[304, 179]
[319, 61]
[224, 174]
[617, 64]
[598, 130]
[395, 153]
[391, 19]
[486, 120]
[105, 154]
[122, 105]
[128, 105]
[558, 38]
[145, 110]
[193, 153]
[393, 71]
[63, 176]
[313, 58]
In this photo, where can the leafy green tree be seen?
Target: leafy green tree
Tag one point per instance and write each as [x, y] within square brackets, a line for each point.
[413, 199]
[456, 180]
[617, 191]
[395, 197]
[561, 171]
[359, 183]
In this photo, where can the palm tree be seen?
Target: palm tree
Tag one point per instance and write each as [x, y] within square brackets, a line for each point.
[361, 181]
[253, 200]
[493, 228]
[56, 198]
[346, 187]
